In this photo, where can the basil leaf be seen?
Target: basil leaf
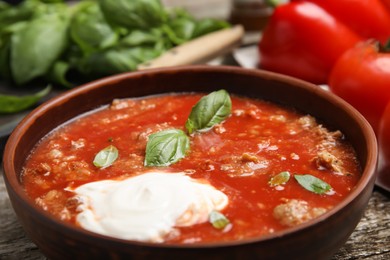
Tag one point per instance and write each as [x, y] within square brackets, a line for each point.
[21, 12]
[90, 30]
[166, 147]
[218, 220]
[106, 157]
[5, 70]
[313, 184]
[36, 46]
[139, 37]
[4, 6]
[179, 30]
[206, 26]
[279, 179]
[57, 73]
[110, 61]
[210, 110]
[134, 13]
[13, 104]
[115, 60]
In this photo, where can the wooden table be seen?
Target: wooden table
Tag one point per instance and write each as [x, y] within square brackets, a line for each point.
[370, 240]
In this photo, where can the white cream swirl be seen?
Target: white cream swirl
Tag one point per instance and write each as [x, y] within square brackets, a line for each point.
[148, 206]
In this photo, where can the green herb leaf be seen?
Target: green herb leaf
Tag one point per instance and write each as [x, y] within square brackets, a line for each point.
[106, 157]
[5, 48]
[90, 30]
[36, 46]
[279, 179]
[57, 73]
[114, 60]
[47, 38]
[273, 3]
[13, 104]
[218, 220]
[4, 6]
[139, 37]
[312, 183]
[210, 110]
[166, 147]
[208, 25]
[179, 30]
[134, 14]
[13, 14]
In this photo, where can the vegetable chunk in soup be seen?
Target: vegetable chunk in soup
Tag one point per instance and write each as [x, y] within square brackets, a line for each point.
[190, 168]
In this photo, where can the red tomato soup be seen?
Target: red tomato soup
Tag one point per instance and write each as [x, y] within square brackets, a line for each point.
[261, 169]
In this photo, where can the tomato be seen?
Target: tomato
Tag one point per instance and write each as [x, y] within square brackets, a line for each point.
[384, 147]
[303, 40]
[384, 133]
[361, 76]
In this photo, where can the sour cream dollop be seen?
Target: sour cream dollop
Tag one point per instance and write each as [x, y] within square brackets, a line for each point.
[148, 206]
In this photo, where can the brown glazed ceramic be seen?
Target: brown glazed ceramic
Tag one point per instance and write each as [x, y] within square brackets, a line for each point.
[316, 239]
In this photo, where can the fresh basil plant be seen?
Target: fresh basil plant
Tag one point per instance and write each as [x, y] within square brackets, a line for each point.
[68, 44]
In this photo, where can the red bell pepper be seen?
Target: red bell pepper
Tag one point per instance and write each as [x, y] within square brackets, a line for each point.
[386, 4]
[368, 18]
[303, 40]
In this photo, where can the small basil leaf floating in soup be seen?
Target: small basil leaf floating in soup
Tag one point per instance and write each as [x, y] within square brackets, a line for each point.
[279, 179]
[218, 220]
[209, 111]
[106, 157]
[166, 147]
[313, 184]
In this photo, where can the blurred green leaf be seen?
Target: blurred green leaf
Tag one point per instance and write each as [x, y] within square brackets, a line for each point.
[116, 60]
[13, 104]
[142, 14]
[140, 37]
[4, 6]
[57, 73]
[13, 14]
[91, 38]
[206, 26]
[90, 30]
[179, 31]
[37, 46]
[5, 71]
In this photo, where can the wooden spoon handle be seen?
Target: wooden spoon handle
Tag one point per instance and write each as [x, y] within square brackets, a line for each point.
[199, 50]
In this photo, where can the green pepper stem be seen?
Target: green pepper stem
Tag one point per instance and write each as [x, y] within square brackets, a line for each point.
[274, 3]
[386, 46]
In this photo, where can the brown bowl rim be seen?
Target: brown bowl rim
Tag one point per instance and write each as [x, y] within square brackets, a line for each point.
[368, 173]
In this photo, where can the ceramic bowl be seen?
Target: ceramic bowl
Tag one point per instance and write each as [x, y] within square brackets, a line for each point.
[316, 239]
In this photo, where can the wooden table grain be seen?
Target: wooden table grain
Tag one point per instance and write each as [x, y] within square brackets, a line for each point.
[370, 240]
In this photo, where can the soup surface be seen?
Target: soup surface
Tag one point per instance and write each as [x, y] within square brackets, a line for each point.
[261, 169]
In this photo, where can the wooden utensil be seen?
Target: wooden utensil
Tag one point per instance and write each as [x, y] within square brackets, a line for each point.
[199, 50]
